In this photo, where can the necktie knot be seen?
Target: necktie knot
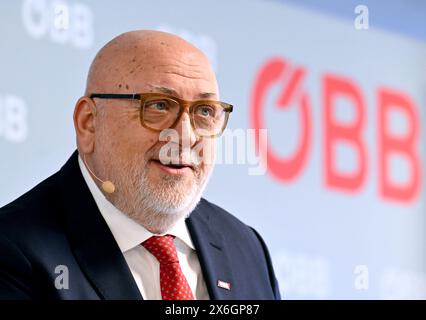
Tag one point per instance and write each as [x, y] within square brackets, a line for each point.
[162, 248]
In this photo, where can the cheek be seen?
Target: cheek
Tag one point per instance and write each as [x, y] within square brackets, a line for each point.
[127, 140]
[138, 144]
[209, 153]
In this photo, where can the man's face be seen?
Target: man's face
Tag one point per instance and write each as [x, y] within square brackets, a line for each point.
[128, 154]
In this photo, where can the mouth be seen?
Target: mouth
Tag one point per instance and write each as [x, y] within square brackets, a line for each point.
[176, 169]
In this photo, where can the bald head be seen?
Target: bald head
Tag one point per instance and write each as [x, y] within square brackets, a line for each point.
[128, 61]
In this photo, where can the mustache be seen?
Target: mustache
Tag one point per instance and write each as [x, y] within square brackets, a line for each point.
[174, 155]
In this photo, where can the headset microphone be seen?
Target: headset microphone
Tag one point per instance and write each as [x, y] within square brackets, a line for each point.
[107, 186]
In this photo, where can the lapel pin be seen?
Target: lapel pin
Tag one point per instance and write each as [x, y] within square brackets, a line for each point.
[223, 284]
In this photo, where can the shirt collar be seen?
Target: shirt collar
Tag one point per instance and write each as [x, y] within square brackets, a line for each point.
[127, 232]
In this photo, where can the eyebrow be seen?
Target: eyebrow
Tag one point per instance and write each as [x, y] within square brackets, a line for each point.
[202, 95]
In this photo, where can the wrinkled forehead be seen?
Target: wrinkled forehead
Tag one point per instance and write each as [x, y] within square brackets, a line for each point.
[189, 64]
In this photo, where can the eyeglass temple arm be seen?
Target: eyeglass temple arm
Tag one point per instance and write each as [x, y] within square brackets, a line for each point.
[133, 96]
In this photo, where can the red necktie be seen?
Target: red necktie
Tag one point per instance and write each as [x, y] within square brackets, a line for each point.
[173, 283]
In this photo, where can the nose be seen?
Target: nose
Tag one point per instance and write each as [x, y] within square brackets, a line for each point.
[187, 136]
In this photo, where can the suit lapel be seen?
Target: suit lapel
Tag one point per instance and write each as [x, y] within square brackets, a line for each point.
[92, 242]
[211, 253]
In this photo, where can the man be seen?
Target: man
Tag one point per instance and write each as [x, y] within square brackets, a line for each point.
[124, 218]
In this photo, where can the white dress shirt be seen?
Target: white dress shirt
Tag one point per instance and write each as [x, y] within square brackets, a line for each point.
[143, 265]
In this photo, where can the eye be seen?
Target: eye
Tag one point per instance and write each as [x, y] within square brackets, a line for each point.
[159, 105]
[205, 111]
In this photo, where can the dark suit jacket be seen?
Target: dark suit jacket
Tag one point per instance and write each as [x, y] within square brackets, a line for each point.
[57, 223]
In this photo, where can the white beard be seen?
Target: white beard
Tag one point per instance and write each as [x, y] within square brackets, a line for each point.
[155, 208]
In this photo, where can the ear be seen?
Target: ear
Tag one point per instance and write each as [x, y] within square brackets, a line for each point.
[84, 124]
